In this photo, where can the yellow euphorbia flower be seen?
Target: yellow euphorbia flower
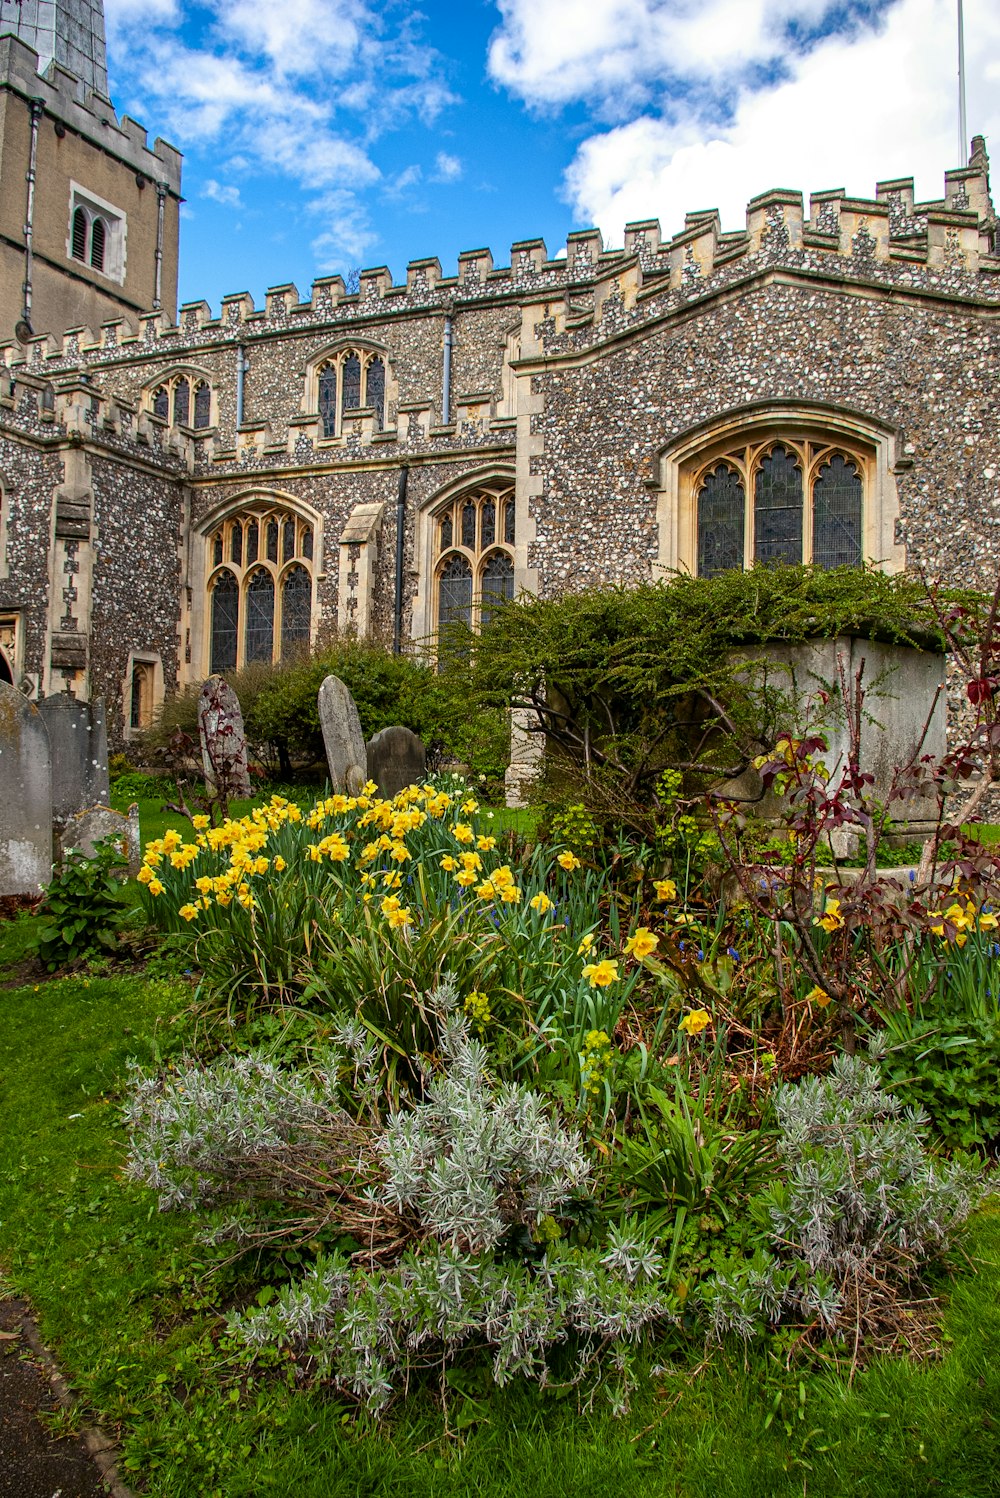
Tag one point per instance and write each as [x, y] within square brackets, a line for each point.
[642, 942]
[601, 974]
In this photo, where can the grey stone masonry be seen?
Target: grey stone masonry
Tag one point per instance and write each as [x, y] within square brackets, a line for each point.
[223, 740]
[342, 737]
[396, 759]
[69, 32]
[79, 746]
[25, 796]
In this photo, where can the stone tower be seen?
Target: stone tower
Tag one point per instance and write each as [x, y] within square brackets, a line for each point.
[88, 211]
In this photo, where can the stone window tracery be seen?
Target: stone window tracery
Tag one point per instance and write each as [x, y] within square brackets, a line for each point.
[260, 587]
[474, 571]
[779, 500]
[345, 381]
[183, 399]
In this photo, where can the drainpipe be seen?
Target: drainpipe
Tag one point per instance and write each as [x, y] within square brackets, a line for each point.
[397, 623]
[446, 373]
[161, 197]
[242, 365]
[35, 106]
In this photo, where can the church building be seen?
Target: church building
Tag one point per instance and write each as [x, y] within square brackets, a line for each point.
[185, 490]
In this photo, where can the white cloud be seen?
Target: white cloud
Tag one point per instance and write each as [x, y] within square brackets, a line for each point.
[219, 192]
[347, 235]
[447, 168]
[873, 102]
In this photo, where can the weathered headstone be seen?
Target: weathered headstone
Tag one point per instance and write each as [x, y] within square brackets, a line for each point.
[396, 759]
[223, 740]
[342, 737]
[78, 743]
[26, 801]
[89, 827]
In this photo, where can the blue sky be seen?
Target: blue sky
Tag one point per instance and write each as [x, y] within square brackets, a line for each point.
[321, 135]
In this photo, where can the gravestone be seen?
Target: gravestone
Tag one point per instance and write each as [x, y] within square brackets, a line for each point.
[396, 759]
[89, 827]
[26, 802]
[223, 740]
[342, 737]
[78, 743]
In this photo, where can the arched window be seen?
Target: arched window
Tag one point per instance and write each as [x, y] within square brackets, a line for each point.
[721, 511]
[296, 611]
[349, 380]
[141, 695]
[259, 642]
[260, 586]
[98, 241]
[184, 399]
[225, 622]
[475, 571]
[80, 227]
[808, 503]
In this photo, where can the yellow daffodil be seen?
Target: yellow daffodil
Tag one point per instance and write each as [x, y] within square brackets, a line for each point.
[485, 891]
[695, 1022]
[568, 861]
[200, 822]
[155, 887]
[831, 919]
[666, 889]
[145, 874]
[279, 864]
[188, 912]
[463, 833]
[642, 942]
[448, 864]
[541, 903]
[601, 974]
[397, 919]
[585, 944]
[486, 844]
[818, 996]
[466, 878]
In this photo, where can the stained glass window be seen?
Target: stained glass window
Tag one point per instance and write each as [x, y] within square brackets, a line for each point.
[296, 610]
[202, 405]
[446, 532]
[508, 522]
[375, 391]
[455, 593]
[217, 549]
[98, 239]
[837, 515]
[307, 542]
[721, 511]
[487, 523]
[236, 545]
[182, 400]
[272, 540]
[225, 622]
[259, 644]
[288, 540]
[253, 541]
[497, 585]
[351, 375]
[328, 400]
[469, 524]
[161, 403]
[778, 509]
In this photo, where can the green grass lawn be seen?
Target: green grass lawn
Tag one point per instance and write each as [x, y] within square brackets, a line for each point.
[126, 1297]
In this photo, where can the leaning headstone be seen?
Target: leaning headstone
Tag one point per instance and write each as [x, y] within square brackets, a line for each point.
[396, 759]
[78, 743]
[342, 737]
[26, 802]
[223, 741]
[88, 828]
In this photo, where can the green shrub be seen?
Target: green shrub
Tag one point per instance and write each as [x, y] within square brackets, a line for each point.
[80, 910]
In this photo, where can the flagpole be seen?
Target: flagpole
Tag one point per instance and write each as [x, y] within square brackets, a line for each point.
[963, 140]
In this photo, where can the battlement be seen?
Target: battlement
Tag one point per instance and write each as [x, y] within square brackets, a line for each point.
[956, 235]
[87, 112]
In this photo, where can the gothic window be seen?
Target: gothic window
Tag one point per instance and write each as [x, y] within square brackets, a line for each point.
[141, 695]
[225, 622]
[778, 500]
[189, 401]
[296, 610]
[261, 596]
[259, 644]
[349, 380]
[98, 237]
[475, 570]
[80, 227]
[182, 402]
[202, 405]
[837, 538]
[328, 400]
[375, 391]
[721, 507]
